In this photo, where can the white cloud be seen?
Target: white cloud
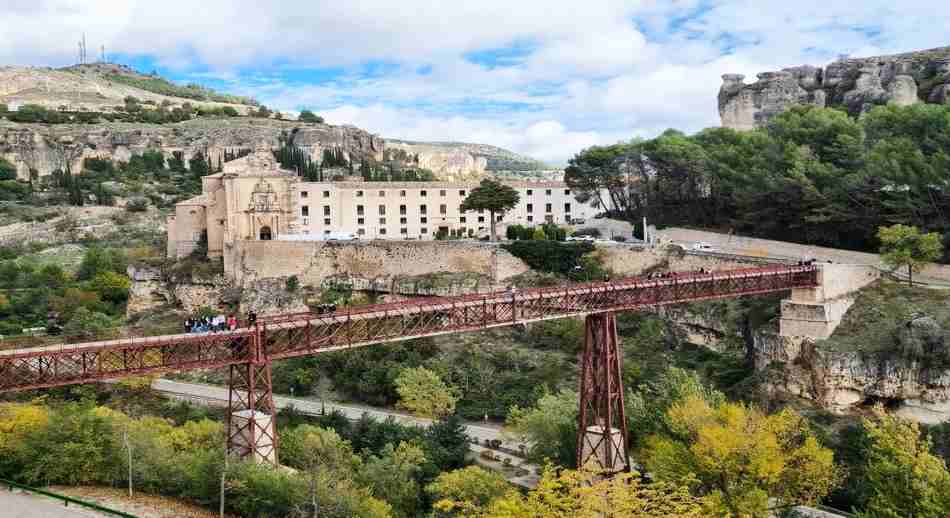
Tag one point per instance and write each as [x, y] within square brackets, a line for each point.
[589, 72]
[545, 138]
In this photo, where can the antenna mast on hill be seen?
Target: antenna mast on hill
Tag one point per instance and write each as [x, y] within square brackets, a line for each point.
[103, 50]
[82, 50]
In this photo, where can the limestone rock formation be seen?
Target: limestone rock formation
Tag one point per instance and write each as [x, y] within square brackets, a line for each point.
[856, 85]
[45, 147]
[915, 375]
[450, 163]
[465, 161]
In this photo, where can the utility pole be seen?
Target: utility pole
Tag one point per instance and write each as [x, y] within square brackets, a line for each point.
[128, 446]
[224, 473]
[494, 267]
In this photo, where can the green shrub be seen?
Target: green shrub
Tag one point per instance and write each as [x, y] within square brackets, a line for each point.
[292, 283]
[554, 232]
[7, 170]
[158, 85]
[37, 113]
[308, 116]
[11, 190]
[137, 205]
[550, 256]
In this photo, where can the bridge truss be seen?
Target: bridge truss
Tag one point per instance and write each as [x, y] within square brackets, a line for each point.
[249, 351]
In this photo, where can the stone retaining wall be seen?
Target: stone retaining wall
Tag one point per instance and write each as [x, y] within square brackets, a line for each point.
[314, 261]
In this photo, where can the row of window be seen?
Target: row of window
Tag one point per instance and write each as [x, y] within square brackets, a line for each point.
[443, 209]
[424, 193]
[404, 221]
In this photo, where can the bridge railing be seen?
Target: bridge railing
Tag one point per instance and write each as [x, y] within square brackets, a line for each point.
[298, 335]
[353, 327]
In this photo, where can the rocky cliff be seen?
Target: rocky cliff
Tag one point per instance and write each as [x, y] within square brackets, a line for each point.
[892, 347]
[465, 161]
[103, 88]
[46, 147]
[855, 84]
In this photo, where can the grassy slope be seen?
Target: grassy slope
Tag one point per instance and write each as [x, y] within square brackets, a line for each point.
[879, 312]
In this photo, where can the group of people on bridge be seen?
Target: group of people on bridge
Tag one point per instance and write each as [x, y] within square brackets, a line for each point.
[208, 324]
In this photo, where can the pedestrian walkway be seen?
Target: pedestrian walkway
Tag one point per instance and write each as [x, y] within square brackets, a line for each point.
[18, 504]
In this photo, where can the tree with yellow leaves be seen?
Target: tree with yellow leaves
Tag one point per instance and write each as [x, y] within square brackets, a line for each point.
[742, 459]
[585, 494]
[905, 478]
[423, 393]
[463, 491]
[17, 422]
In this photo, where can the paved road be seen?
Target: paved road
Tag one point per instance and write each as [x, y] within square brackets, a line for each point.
[219, 395]
[741, 245]
[16, 504]
[314, 407]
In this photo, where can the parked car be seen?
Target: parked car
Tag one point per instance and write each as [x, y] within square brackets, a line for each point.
[578, 221]
[702, 246]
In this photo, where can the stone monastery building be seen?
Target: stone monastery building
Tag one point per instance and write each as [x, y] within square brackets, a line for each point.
[254, 199]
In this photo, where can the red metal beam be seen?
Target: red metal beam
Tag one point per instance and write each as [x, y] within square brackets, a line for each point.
[304, 334]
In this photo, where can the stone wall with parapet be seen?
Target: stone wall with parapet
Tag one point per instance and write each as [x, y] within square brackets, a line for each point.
[816, 312]
[314, 261]
[629, 261]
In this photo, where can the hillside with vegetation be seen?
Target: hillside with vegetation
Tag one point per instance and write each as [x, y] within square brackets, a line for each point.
[812, 175]
[102, 86]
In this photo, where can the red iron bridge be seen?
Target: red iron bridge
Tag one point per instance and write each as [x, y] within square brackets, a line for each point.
[249, 351]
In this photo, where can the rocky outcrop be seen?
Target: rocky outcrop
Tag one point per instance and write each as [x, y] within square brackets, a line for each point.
[447, 162]
[147, 291]
[46, 148]
[856, 85]
[914, 377]
[465, 161]
[152, 287]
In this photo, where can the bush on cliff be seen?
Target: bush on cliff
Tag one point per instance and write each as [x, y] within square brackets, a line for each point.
[550, 256]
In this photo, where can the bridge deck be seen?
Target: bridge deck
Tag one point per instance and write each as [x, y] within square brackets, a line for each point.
[286, 336]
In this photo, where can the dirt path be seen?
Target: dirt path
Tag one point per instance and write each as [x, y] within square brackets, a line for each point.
[141, 505]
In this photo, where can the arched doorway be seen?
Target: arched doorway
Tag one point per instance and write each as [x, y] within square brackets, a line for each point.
[266, 234]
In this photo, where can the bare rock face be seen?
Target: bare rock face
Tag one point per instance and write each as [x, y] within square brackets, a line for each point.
[270, 297]
[447, 162]
[355, 143]
[940, 95]
[45, 148]
[854, 84]
[745, 107]
[914, 374]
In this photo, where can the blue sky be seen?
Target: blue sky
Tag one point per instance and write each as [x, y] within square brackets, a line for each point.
[544, 78]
